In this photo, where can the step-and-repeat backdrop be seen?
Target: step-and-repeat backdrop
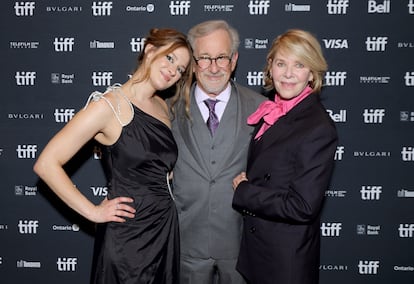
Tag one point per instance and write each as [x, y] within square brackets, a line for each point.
[55, 53]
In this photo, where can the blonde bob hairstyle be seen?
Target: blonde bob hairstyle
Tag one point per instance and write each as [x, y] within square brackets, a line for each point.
[303, 45]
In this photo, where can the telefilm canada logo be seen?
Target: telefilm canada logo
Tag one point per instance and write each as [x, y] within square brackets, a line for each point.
[218, 8]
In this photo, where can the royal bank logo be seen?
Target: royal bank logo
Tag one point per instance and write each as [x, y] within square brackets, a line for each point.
[255, 78]
[368, 230]
[218, 8]
[24, 9]
[335, 43]
[409, 79]
[337, 7]
[63, 115]
[290, 7]
[376, 43]
[25, 78]
[379, 7]
[255, 43]
[374, 79]
[101, 8]
[368, 266]
[180, 8]
[149, 8]
[338, 117]
[407, 153]
[330, 229]
[61, 78]
[102, 78]
[333, 78]
[258, 7]
[339, 153]
[137, 44]
[24, 190]
[24, 44]
[96, 44]
[371, 192]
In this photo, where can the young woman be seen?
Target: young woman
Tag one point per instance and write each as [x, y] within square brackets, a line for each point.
[137, 239]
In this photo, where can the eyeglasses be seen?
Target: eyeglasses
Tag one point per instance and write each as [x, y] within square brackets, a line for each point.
[205, 61]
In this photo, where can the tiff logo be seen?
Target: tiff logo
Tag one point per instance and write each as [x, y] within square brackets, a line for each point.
[409, 78]
[255, 78]
[335, 78]
[383, 8]
[26, 151]
[376, 43]
[373, 115]
[25, 78]
[64, 115]
[337, 6]
[368, 266]
[101, 78]
[24, 8]
[137, 44]
[331, 229]
[407, 154]
[101, 8]
[340, 150]
[411, 7]
[406, 230]
[371, 192]
[179, 8]
[28, 226]
[258, 7]
[64, 44]
[66, 263]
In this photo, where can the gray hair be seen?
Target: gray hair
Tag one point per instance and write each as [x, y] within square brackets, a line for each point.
[205, 28]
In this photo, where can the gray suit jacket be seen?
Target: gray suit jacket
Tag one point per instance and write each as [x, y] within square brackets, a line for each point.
[203, 175]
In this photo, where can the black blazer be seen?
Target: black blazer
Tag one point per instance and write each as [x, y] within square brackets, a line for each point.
[289, 170]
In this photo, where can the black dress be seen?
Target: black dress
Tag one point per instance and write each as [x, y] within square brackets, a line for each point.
[144, 249]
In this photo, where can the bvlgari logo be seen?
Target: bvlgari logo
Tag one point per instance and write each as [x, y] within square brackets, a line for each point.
[25, 116]
[64, 9]
[333, 267]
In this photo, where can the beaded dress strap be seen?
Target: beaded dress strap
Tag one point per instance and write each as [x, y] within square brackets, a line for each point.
[96, 96]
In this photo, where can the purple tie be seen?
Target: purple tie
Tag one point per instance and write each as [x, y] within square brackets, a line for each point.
[212, 121]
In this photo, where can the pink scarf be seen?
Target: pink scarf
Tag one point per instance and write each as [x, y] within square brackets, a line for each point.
[271, 111]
